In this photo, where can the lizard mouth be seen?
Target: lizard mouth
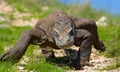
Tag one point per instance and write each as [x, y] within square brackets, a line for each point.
[64, 46]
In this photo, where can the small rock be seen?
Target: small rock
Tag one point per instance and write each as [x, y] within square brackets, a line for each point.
[59, 53]
[45, 8]
[26, 59]
[5, 8]
[37, 51]
[22, 62]
[102, 21]
[18, 15]
[6, 48]
[30, 71]
[20, 67]
[94, 50]
[21, 22]
[93, 56]
[2, 18]
[102, 59]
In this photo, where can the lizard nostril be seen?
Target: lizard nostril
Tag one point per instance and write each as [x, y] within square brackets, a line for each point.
[68, 40]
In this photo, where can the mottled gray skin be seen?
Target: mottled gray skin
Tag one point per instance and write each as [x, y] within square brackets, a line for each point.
[59, 31]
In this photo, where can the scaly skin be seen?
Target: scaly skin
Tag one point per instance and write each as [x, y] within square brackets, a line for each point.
[44, 34]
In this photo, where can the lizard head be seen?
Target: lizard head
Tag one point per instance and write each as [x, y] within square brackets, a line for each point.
[64, 32]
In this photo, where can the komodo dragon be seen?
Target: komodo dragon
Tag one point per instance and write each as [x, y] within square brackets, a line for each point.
[59, 31]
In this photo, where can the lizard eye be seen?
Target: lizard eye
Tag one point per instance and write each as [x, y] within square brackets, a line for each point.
[71, 33]
[55, 34]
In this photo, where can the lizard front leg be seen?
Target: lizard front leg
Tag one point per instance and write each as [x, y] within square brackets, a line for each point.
[83, 40]
[21, 45]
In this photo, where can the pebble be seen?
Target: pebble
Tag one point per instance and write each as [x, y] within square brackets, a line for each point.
[22, 62]
[20, 67]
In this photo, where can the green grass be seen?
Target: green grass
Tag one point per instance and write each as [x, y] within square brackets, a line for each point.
[112, 66]
[111, 37]
[35, 6]
[40, 65]
[8, 37]
[6, 67]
